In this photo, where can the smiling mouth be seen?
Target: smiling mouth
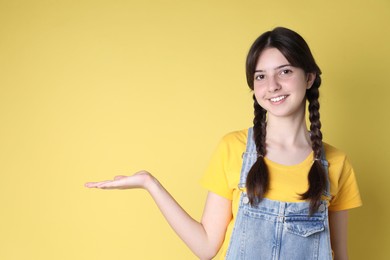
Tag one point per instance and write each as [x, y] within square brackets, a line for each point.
[277, 99]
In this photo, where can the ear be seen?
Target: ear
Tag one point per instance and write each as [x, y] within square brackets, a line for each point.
[310, 77]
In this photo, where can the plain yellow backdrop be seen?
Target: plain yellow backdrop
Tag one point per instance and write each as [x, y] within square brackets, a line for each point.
[92, 89]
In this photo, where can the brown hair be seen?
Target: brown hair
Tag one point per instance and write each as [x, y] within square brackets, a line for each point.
[297, 52]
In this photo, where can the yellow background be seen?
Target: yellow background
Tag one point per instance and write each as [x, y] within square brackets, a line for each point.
[92, 89]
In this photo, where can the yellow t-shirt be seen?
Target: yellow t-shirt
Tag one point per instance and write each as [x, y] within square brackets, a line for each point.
[286, 182]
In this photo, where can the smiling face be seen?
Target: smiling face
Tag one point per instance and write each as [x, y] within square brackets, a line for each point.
[279, 87]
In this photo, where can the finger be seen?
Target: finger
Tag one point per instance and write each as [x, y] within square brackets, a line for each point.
[116, 184]
[95, 184]
[90, 184]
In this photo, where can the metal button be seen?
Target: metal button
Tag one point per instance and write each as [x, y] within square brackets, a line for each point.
[245, 200]
[321, 208]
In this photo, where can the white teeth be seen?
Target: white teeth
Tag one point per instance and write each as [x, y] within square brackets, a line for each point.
[278, 98]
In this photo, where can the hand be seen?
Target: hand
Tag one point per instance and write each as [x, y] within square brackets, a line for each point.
[140, 179]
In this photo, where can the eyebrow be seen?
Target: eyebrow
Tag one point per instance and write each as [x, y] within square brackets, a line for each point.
[278, 67]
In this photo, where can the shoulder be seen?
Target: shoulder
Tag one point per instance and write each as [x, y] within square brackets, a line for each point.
[339, 165]
[222, 174]
[340, 168]
[343, 185]
[334, 155]
[238, 137]
[232, 145]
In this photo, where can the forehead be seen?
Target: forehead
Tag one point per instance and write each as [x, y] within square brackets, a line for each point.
[270, 59]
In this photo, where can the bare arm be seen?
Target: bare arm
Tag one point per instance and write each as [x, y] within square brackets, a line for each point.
[338, 222]
[203, 238]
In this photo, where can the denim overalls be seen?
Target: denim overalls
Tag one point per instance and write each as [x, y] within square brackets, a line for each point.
[278, 230]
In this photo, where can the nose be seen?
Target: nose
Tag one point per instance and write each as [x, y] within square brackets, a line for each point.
[273, 84]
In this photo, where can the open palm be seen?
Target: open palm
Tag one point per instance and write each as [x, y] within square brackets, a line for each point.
[138, 180]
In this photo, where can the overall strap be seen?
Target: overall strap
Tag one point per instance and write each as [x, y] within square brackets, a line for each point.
[249, 157]
[325, 163]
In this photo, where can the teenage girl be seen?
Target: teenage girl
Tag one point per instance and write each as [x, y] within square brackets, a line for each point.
[276, 191]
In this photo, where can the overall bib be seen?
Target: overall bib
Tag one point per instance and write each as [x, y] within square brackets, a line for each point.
[275, 229]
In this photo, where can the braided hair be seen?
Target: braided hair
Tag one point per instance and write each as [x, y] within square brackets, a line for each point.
[297, 52]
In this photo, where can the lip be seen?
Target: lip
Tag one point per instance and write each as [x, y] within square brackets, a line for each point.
[278, 99]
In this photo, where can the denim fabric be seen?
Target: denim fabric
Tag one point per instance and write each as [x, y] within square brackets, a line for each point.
[276, 229]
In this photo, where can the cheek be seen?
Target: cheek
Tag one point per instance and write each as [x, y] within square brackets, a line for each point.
[258, 91]
[259, 97]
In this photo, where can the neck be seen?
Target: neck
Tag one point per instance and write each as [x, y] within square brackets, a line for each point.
[287, 140]
[288, 131]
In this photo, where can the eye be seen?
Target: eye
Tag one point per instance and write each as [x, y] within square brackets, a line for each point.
[285, 73]
[259, 77]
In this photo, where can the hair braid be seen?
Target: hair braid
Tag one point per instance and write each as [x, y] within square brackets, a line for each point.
[315, 123]
[317, 176]
[257, 181]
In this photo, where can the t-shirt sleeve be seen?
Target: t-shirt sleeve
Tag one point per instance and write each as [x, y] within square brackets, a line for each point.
[348, 195]
[215, 178]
